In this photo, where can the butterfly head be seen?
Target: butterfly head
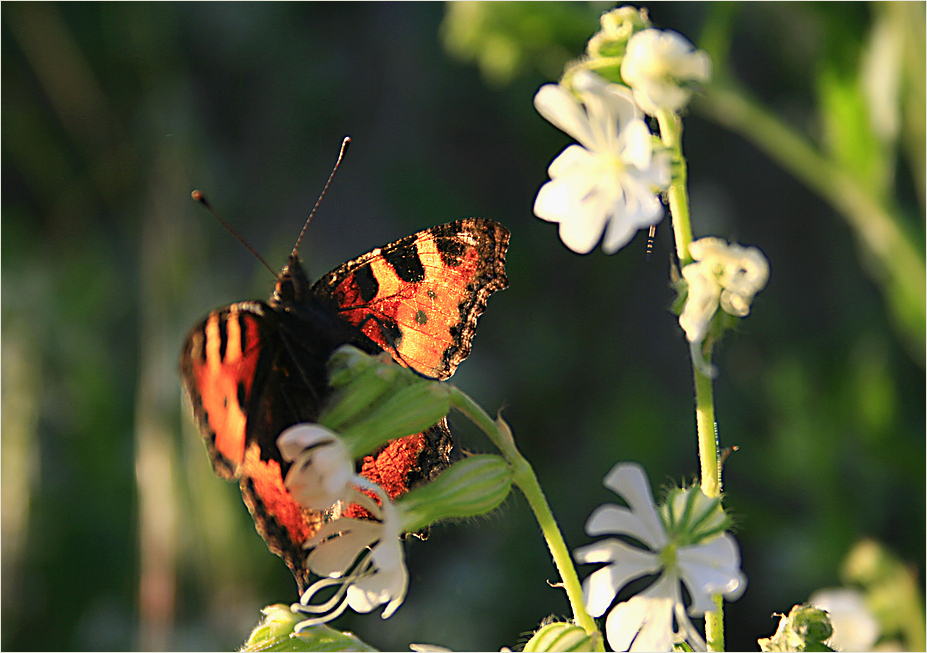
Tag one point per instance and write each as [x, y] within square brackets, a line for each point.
[292, 285]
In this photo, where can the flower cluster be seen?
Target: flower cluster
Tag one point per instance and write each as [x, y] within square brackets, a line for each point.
[613, 179]
[684, 544]
[721, 275]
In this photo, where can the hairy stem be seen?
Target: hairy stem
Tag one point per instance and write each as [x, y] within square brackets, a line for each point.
[526, 480]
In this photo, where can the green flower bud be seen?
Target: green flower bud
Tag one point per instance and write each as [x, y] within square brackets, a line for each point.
[376, 400]
[804, 629]
[408, 410]
[472, 486]
[358, 381]
[618, 25]
[562, 636]
[275, 633]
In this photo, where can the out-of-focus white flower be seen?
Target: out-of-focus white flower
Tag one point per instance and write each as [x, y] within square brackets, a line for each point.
[855, 628]
[612, 180]
[691, 549]
[362, 557]
[721, 275]
[660, 66]
[322, 468]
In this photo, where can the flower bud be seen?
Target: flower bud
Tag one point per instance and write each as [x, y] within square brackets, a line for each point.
[804, 629]
[276, 633]
[376, 400]
[472, 486]
[358, 381]
[562, 636]
[617, 27]
[405, 411]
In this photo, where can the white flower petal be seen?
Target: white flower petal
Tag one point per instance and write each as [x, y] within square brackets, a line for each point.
[645, 622]
[610, 107]
[627, 563]
[387, 580]
[630, 482]
[687, 631]
[711, 568]
[610, 519]
[332, 557]
[641, 624]
[322, 468]
[701, 302]
[563, 200]
[560, 108]
[299, 437]
[573, 160]
[636, 145]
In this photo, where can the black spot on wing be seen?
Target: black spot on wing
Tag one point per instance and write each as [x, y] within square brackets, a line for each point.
[366, 282]
[450, 246]
[404, 259]
[392, 334]
[223, 337]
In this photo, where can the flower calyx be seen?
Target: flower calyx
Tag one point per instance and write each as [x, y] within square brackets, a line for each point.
[474, 486]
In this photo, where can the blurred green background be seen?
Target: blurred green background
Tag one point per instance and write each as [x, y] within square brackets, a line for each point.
[115, 532]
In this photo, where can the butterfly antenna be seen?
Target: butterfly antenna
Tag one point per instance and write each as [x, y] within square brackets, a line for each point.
[344, 148]
[650, 235]
[199, 197]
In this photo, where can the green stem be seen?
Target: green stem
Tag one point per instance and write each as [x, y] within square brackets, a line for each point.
[707, 434]
[678, 196]
[524, 477]
[714, 625]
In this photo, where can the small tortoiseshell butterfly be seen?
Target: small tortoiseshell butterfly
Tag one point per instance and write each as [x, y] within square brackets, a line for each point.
[252, 369]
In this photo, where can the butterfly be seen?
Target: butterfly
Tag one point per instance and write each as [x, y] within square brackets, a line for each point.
[251, 369]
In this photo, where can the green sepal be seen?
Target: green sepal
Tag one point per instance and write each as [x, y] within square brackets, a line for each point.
[691, 517]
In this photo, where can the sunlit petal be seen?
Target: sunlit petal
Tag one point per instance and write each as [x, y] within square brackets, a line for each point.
[630, 482]
[560, 108]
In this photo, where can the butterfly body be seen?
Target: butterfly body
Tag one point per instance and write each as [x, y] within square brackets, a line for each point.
[252, 369]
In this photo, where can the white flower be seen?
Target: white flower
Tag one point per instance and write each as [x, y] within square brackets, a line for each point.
[706, 562]
[613, 177]
[721, 275]
[658, 65]
[322, 469]
[379, 574]
[855, 629]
